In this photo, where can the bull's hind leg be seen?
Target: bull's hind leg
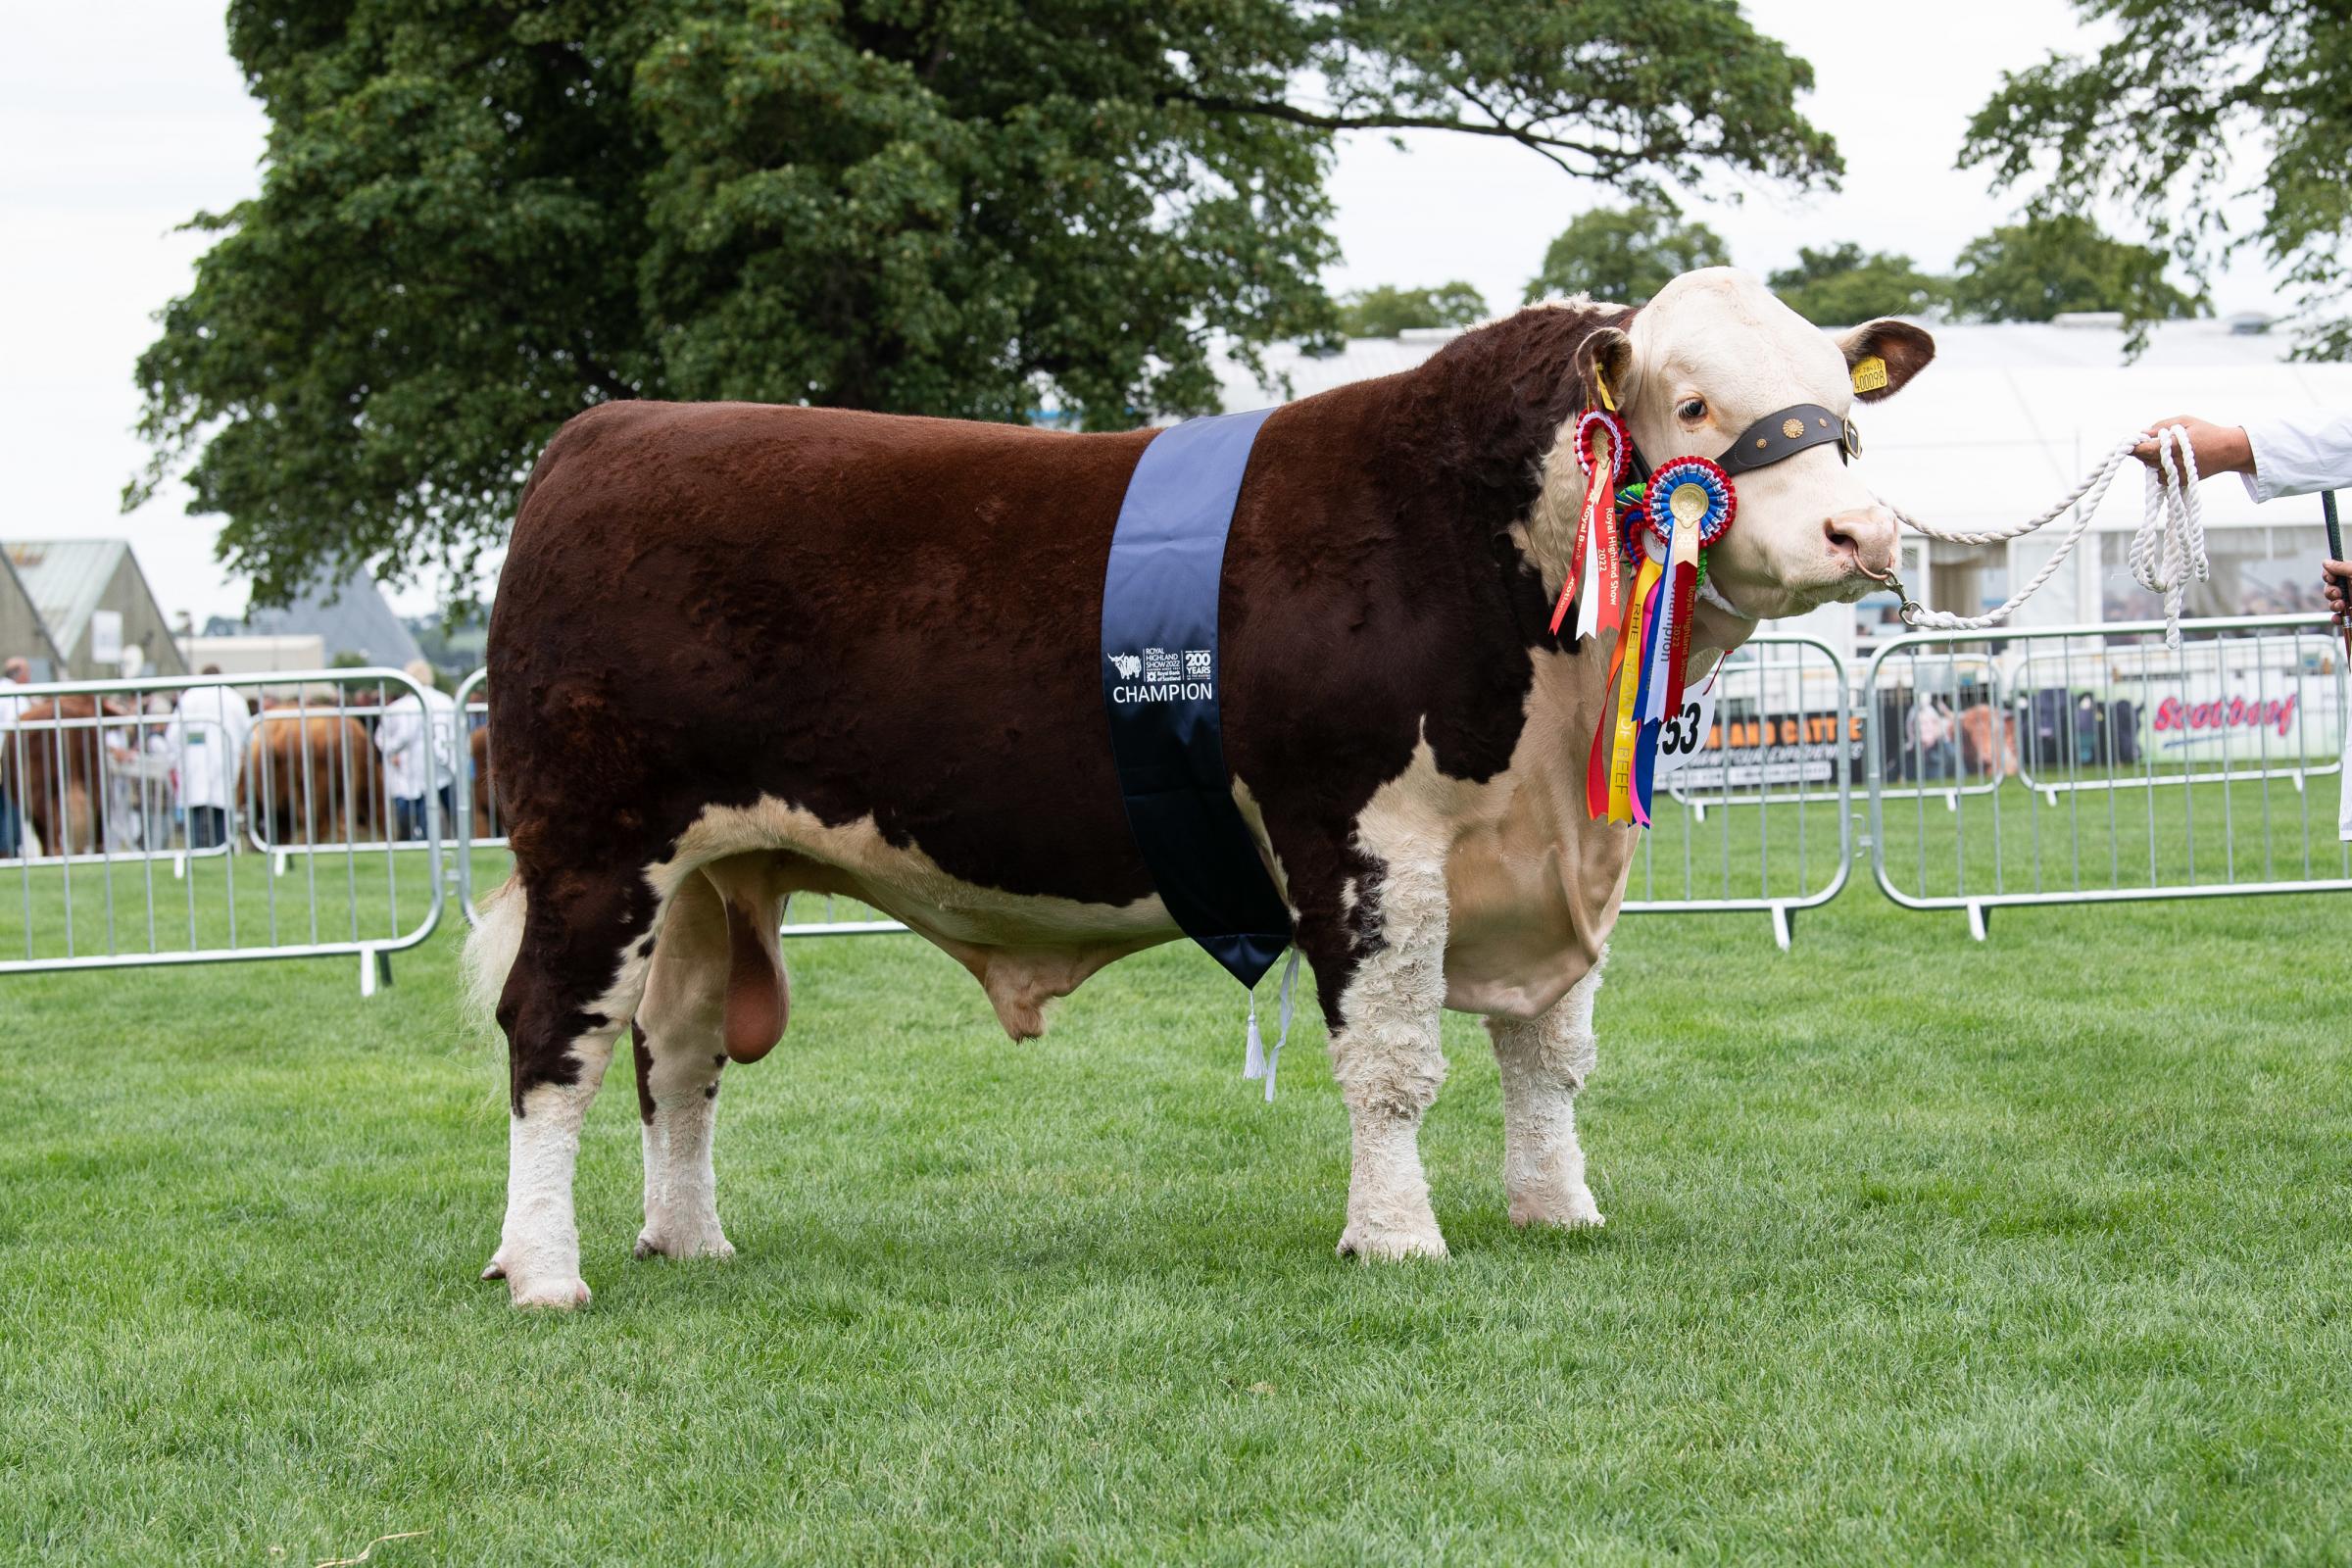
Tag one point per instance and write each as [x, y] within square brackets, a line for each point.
[1545, 1062]
[1383, 1048]
[573, 988]
[684, 1040]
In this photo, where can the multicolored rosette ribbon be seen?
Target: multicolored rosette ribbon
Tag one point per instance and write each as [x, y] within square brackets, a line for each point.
[1604, 450]
[1687, 505]
[1693, 491]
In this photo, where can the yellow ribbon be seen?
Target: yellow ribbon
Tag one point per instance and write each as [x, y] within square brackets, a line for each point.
[1629, 684]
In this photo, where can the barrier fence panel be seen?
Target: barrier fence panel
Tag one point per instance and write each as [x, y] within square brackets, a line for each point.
[2062, 765]
[474, 825]
[1761, 818]
[141, 804]
[2127, 770]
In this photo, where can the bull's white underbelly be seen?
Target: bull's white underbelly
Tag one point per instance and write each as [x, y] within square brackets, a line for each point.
[1532, 889]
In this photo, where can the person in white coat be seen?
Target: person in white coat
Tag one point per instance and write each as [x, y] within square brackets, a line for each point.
[419, 746]
[206, 739]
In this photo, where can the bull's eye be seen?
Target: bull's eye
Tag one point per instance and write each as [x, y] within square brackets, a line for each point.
[1691, 410]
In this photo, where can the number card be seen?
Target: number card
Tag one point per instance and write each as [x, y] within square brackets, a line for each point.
[1683, 735]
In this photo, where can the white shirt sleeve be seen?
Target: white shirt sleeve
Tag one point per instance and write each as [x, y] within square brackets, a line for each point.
[2300, 453]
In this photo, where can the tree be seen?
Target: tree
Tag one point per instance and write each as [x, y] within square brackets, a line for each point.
[2148, 123]
[1385, 310]
[1845, 285]
[1625, 254]
[2033, 270]
[477, 219]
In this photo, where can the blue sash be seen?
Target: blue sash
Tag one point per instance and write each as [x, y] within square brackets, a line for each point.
[1160, 687]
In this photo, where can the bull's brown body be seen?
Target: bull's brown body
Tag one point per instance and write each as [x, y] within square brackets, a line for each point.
[861, 616]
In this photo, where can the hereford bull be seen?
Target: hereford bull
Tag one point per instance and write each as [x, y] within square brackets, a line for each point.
[740, 652]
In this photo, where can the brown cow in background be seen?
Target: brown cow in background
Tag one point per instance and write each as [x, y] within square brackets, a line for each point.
[55, 769]
[310, 779]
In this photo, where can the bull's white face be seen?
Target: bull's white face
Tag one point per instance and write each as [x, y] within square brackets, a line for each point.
[1710, 355]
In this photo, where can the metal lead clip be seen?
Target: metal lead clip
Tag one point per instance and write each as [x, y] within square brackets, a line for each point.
[1911, 609]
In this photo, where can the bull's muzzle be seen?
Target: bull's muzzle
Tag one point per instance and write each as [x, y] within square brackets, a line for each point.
[1862, 540]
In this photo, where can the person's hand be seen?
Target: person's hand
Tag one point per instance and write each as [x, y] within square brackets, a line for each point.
[2218, 447]
[2338, 585]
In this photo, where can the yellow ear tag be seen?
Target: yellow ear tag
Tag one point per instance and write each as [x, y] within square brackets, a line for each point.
[1601, 382]
[1870, 373]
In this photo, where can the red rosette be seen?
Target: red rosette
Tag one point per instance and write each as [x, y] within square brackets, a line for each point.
[1620, 443]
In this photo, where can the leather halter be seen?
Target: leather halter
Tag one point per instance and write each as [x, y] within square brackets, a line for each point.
[1785, 432]
[1779, 435]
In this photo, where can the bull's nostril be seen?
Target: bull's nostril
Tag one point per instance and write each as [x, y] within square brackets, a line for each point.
[1839, 539]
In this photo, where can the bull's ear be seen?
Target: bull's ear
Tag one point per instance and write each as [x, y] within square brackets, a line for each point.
[1883, 355]
[1606, 359]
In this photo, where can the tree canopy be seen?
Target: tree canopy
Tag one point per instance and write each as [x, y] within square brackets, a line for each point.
[2033, 270]
[1625, 254]
[479, 217]
[1843, 286]
[2149, 120]
[1384, 311]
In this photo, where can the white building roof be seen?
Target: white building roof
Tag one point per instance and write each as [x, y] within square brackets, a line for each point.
[66, 580]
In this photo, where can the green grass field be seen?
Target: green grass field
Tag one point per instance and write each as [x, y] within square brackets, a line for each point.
[1918, 1250]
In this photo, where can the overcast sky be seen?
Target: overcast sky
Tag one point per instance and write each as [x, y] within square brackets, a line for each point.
[119, 121]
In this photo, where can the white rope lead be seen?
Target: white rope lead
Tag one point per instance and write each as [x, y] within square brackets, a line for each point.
[2167, 548]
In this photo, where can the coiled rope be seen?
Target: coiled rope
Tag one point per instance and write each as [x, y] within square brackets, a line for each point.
[2167, 548]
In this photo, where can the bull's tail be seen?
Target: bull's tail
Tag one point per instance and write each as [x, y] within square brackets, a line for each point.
[490, 950]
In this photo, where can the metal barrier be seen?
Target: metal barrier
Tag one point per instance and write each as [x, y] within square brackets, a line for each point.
[2219, 662]
[1783, 742]
[476, 825]
[2196, 741]
[230, 751]
[2150, 774]
[1979, 688]
[100, 779]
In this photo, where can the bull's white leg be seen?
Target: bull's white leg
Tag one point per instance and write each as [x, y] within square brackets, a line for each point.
[539, 1244]
[681, 1190]
[560, 1039]
[1390, 1065]
[1545, 1062]
[680, 1051]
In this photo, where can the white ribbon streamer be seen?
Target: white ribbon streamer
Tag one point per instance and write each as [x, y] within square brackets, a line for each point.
[1258, 1062]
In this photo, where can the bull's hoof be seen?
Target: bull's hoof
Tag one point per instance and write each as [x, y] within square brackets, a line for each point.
[709, 1242]
[1569, 1211]
[494, 1269]
[1373, 1244]
[549, 1295]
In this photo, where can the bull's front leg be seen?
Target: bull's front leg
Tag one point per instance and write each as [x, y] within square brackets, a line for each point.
[1385, 1054]
[1544, 1061]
